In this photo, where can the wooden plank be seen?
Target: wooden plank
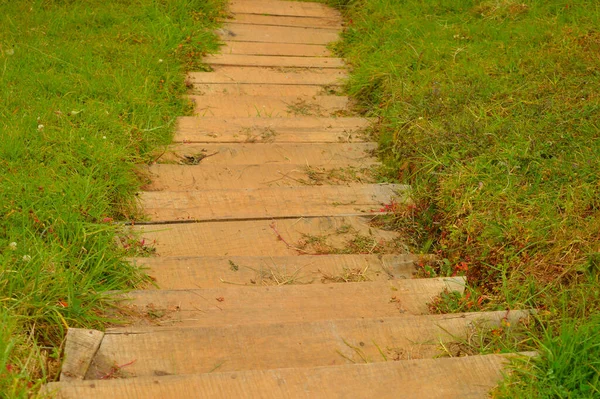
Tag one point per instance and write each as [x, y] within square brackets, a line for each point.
[227, 89]
[280, 49]
[264, 75]
[273, 20]
[276, 34]
[173, 350]
[270, 202]
[260, 237]
[469, 377]
[274, 7]
[268, 106]
[205, 177]
[301, 129]
[238, 306]
[271, 153]
[221, 271]
[273, 61]
[80, 348]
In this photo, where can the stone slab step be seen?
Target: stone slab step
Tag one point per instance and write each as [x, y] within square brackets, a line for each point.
[276, 34]
[249, 89]
[469, 377]
[275, 7]
[276, 106]
[273, 61]
[273, 20]
[284, 237]
[197, 350]
[238, 306]
[301, 129]
[269, 75]
[270, 202]
[231, 271]
[280, 49]
[268, 153]
[205, 177]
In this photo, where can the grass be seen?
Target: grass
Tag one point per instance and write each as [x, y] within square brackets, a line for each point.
[489, 109]
[89, 89]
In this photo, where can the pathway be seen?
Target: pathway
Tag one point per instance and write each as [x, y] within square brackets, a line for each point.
[274, 281]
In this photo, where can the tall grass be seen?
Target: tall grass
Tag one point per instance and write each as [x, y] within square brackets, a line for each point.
[88, 89]
[490, 109]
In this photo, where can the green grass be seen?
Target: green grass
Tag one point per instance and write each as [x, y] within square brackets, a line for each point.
[490, 110]
[89, 89]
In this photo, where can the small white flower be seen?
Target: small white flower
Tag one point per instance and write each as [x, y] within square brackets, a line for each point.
[40, 127]
[160, 60]
[10, 51]
[103, 137]
[26, 258]
[13, 246]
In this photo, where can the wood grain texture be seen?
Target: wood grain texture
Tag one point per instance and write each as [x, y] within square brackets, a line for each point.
[240, 305]
[205, 177]
[279, 20]
[195, 350]
[179, 272]
[275, 7]
[270, 202]
[273, 61]
[269, 153]
[258, 237]
[258, 89]
[285, 49]
[80, 348]
[301, 129]
[267, 106]
[269, 75]
[276, 34]
[445, 378]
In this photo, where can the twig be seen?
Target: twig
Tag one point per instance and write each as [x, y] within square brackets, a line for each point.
[116, 368]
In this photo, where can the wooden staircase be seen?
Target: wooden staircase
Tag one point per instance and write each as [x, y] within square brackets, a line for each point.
[273, 281]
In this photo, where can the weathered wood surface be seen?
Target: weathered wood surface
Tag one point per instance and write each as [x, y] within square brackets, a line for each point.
[282, 49]
[242, 305]
[269, 153]
[80, 348]
[268, 106]
[262, 346]
[269, 75]
[276, 34]
[445, 378]
[274, 7]
[274, 20]
[270, 202]
[221, 271]
[286, 237]
[302, 129]
[272, 61]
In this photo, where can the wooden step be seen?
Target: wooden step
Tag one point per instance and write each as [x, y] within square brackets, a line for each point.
[275, 106]
[284, 237]
[269, 75]
[275, 7]
[273, 20]
[249, 89]
[273, 61]
[237, 306]
[270, 202]
[197, 350]
[223, 271]
[268, 153]
[284, 49]
[276, 34]
[205, 177]
[301, 129]
[469, 377]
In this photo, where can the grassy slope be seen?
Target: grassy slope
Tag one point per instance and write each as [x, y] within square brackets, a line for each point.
[490, 109]
[89, 88]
